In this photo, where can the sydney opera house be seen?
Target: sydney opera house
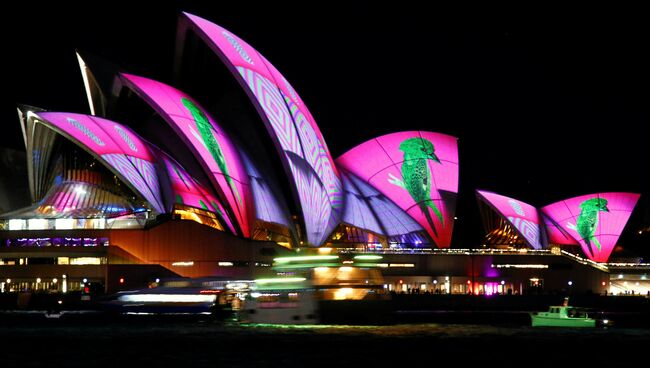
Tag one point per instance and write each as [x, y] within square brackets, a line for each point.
[224, 169]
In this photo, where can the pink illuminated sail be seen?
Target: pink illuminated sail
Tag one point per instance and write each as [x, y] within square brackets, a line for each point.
[210, 144]
[418, 171]
[595, 220]
[521, 216]
[305, 155]
[189, 192]
[556, 234]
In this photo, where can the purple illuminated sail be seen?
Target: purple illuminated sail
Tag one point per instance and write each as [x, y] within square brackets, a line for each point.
[116, 146]
[368, 209]
[357, 210]
[268, 206]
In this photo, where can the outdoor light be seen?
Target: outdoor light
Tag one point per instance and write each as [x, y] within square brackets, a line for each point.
[85, 280]
[503, 282]
[8, 281]
[157, 281]
[38, 279]
[54, 280]
[570, 283]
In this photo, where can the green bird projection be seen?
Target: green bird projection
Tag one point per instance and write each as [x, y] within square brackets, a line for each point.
[588, 221]
[416, 176]
[207, 136]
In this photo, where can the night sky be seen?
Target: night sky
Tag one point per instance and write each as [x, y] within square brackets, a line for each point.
[525, 94]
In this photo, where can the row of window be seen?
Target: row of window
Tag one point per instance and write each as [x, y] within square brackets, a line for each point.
[75, 261]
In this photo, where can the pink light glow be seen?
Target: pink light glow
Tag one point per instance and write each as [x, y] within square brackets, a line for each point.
[116, 145]
[595, 220]
[189, 192]
[557, 235]
[521, 215]
[381, 162]
[230, 177]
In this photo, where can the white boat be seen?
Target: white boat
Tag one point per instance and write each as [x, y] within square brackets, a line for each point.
[565, 316]
[281, 301]
[315, 279]
[181, 296]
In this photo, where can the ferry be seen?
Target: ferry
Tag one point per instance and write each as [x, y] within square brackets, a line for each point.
[284, 300]
[180, 296]
[303, 283]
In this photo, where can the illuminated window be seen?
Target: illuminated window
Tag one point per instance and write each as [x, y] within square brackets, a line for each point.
[183, 264]
[64, 224]
[85, 261]
[17, 224]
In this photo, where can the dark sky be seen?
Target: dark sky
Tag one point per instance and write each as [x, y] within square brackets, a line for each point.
[547, 104]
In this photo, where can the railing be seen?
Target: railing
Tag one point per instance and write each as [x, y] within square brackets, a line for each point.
[585, 261]
[443, 251]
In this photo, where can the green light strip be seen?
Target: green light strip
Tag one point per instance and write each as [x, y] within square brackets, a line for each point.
[304, 258]
[360, 265]
[280, 280]
[304, 265]
[368, 257]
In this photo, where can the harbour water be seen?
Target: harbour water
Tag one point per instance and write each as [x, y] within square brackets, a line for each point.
[179, 342]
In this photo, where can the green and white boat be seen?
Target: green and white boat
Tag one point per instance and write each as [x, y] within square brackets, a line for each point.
[563, 316]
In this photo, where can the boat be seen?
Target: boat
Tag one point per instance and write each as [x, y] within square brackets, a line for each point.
[288, 300]
[304, 283]
[565, 316]
[180, 296]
